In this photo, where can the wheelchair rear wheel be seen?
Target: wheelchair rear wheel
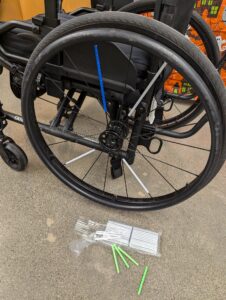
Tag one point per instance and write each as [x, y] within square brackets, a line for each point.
[201, 34]
[198, 31]
[97, 140]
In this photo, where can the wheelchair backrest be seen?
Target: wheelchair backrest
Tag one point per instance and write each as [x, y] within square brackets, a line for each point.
[78, 68]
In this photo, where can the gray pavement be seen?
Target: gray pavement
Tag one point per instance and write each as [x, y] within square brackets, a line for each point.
[38, 214]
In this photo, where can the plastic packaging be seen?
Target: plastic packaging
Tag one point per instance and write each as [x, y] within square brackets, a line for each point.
[141, 240]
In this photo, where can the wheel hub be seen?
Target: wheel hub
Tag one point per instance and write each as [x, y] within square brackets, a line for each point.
[112, 138]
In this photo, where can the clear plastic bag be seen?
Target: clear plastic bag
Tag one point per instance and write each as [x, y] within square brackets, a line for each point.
[142, 240]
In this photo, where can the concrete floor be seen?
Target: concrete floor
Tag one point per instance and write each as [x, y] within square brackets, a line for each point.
[38, 214]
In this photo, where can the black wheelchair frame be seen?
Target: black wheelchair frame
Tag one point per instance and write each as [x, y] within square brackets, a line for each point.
[175, 13]
[133, 86]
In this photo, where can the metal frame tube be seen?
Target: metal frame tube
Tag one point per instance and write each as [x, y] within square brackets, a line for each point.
[51, 13]
[67, 135]
[175, 134]
[7, 26]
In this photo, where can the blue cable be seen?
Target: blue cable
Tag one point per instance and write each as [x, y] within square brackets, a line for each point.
[104, 102]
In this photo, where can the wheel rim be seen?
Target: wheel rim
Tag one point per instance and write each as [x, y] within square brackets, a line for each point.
[194, 34]
[84, 188]
[13, 160]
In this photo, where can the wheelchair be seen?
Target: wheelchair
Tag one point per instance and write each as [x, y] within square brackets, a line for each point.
[97, 109]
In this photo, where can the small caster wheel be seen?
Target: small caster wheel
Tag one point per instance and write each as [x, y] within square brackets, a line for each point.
[15, 157]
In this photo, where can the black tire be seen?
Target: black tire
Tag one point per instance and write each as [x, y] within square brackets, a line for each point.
[209, 82]
[16, 157]
[212, 52]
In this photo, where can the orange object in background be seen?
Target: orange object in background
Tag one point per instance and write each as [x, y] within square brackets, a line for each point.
[10, 10]
[214, 14]
[26, 9]
[212, 11]
[70, 5]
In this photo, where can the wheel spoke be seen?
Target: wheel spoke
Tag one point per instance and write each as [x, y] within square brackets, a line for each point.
[100, 77]
[93, 164]
[177, 107]
[43, 99]
[124, 175]
[106, 173]
[136, 177]
[79, 157]
[190, 146]
[170, 165]
[159, 173]
[90, 136]
[57, 143]
[161, 69]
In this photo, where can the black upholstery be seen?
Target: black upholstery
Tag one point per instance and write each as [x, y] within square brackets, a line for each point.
[21, 42]
[104, 5]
